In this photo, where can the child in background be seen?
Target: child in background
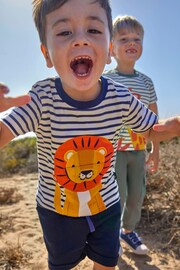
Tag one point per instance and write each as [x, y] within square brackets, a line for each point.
[76, 117]
[127, 46]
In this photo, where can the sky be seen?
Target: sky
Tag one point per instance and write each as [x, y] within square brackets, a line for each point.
[22, 64]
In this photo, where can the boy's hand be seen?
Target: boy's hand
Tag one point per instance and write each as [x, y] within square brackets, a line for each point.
[168, 128]
[8, 102]
[170, 125]
[152, 162]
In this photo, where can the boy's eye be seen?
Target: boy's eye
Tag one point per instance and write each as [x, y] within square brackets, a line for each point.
[94, 31]
[124, 40]
[137, 40]
[64, 33]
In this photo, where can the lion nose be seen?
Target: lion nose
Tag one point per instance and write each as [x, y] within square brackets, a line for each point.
[86, 174]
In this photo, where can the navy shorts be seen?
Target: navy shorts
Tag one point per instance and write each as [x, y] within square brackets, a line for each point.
[70, 239]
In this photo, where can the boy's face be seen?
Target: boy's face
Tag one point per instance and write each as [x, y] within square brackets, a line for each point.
[127, 46]
[77, 46]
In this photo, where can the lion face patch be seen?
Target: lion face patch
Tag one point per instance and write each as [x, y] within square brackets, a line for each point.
[81, 162]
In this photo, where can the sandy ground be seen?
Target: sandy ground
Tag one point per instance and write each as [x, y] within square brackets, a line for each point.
[21, 242]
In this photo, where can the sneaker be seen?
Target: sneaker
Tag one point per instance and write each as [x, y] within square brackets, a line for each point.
[134, 242]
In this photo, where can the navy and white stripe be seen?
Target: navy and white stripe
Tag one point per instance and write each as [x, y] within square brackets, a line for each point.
[56, 118]
[142, 87]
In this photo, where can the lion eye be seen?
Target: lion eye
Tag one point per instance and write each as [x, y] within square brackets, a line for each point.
[98, 162]
[73, 166]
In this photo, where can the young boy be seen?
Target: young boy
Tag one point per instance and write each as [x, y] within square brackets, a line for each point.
[131, 157]
[76, 117]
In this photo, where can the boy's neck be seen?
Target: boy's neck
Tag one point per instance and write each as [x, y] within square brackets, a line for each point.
[128, 69]
[89, 95]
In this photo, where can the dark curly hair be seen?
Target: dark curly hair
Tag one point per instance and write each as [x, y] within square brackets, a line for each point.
[43, 7]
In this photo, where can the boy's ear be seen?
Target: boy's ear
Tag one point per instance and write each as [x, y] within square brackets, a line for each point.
[111, 49]
[45, 52]
[109, 54]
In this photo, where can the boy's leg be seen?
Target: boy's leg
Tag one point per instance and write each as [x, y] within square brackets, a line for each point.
[103, 245]
[136, 189]
[135, 197]
[98, 266]
[65, 239]
[69, 240]
[121, 175]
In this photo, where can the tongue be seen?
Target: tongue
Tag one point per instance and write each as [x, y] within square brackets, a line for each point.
[81, 69]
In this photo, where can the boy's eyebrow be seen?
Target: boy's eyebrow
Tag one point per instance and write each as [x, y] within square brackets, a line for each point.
[64, 20]
[96, 18]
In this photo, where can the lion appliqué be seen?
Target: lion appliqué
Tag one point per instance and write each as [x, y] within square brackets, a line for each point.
[80, 164]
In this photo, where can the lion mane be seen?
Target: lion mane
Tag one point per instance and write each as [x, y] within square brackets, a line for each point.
[81, 162]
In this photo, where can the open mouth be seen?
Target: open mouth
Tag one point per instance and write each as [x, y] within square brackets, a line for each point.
[81, 65]
[131, 51]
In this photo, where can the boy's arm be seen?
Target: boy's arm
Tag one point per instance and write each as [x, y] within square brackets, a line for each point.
[5, 103]
[153, 158]
[9, 102]
[5, 134]
[165, 130]
[168, 128]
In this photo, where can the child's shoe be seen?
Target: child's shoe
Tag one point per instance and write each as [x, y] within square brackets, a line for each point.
[134, 242]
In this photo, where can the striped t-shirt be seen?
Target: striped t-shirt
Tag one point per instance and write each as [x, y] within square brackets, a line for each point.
[142, 87]
[76, 143]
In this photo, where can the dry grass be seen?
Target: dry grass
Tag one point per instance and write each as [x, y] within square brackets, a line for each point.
[6, 224]
[9, 196]
[161, 211]
[13, 257]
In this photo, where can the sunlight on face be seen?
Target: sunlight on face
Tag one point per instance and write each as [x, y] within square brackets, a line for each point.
[78, 45]
[127, 45]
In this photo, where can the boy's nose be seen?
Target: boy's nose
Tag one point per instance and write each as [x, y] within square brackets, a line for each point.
[131, 41]
[80, 39]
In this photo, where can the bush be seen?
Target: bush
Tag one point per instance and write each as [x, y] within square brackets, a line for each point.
[19, 156]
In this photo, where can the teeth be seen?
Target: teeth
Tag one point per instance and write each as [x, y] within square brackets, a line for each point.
[131, 50]
[81, 65]
[82, 75]
[81, 58]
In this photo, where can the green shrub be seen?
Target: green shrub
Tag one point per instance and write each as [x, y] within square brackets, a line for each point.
[19, 156]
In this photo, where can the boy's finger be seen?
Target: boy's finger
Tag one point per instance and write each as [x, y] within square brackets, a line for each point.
[10, 102]
[3, 89]
[159, 127]
[18, 101]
